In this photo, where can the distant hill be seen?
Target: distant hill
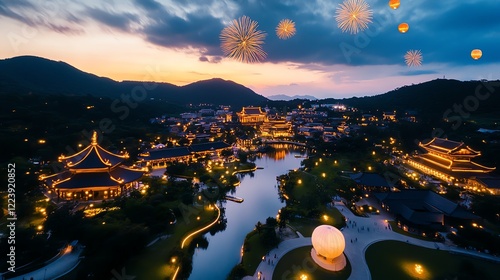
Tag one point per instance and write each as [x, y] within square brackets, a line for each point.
[433, 98]
[30, 74]
[288, 98]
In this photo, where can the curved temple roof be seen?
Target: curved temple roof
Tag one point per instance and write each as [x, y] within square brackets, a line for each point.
[92, 157]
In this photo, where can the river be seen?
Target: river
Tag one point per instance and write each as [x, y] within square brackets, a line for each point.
[261, 201]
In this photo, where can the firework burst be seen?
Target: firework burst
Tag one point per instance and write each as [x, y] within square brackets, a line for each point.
[285, 29]
[413, 58]
[242, 41]
[353, 16]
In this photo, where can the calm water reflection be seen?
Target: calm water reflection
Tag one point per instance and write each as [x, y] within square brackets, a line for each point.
[261, 201]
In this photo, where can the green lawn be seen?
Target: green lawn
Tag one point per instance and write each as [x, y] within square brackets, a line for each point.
[399, 260]
[253, 257]
[306, 226]
[299, 262]
[153, 262]
[395, 228]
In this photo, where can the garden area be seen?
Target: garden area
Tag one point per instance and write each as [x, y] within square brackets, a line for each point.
[399, 260]
[298, 264]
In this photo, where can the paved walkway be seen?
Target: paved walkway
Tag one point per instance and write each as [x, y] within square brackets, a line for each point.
[59, 267]
[283, 248]
[363, 232]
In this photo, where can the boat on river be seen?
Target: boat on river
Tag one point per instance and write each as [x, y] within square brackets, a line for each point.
[300, 156]
[234, 198]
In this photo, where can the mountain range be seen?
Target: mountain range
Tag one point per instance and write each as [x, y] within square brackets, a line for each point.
[285, 97]
[30, 74]
[433, 99]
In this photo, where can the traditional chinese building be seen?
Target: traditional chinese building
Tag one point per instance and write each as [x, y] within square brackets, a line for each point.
[93, 173]
[389, 116]
[160, 157]
[252, 116]
[421, 211]
[485, 184]
[448, 160]
[276, 128]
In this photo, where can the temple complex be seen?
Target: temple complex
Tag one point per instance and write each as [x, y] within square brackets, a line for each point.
[252, 116]
[92, 174]
[448, 160]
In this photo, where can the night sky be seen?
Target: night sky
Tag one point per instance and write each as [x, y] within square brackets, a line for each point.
[178, 42]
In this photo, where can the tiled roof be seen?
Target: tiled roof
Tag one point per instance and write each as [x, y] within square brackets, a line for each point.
[370, 180]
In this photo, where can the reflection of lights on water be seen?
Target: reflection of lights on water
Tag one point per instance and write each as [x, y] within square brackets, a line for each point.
[419, 269]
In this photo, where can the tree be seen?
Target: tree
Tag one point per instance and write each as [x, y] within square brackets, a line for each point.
[243, 157]
[226, 154]
[259, 226]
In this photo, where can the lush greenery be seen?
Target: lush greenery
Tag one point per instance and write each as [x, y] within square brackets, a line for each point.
[31, 208]
[476, 238]
[398, 260]
[299, 262]
[257, 243]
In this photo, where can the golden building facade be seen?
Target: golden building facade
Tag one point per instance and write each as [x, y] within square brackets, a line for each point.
[252, 116]
[448, 160]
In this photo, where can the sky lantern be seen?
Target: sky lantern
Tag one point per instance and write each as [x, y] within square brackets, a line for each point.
[476, 54]
[394, 4]
[403, 27]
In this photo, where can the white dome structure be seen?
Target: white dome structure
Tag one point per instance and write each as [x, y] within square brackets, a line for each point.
[328, 247]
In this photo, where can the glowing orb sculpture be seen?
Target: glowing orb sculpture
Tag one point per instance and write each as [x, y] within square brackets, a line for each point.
[403, 27]
[328, 247]
[476, 54]
[394, 4]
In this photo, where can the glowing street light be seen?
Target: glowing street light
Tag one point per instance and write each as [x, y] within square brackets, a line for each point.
[419, 269]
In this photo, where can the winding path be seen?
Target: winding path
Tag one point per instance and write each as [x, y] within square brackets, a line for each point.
[58, 268]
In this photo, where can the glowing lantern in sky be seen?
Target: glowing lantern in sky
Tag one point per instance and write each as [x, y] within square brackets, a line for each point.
[403, 27]
[394, 4]
[476, 54]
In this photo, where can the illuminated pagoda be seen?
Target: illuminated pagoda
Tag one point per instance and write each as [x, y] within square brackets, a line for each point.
[93, 173]
[252, 116]
[448, 160]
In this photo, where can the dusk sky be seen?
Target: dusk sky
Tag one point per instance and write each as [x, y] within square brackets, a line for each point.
[179, 40]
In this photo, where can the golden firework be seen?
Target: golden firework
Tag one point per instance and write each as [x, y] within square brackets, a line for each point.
[353, 16]
[242, 41]
[413, 58]
[285, 29]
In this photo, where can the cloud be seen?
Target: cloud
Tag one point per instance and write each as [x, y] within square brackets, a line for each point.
[417, 72]
[46, 14]
[121, 21]
[445, 31]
